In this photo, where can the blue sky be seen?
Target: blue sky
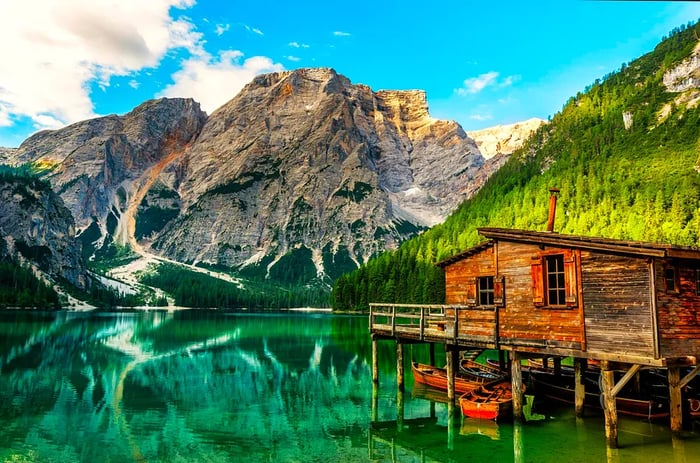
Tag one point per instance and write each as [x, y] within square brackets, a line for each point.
[481, 63]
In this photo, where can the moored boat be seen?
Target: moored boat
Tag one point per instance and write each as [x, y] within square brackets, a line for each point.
[561, 389]
[488, 402]
[437, 377]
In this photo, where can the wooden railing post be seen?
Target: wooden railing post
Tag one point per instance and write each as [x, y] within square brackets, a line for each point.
[422, 322]
[393, 320]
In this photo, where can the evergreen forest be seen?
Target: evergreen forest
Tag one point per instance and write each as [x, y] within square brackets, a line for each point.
[624, 153]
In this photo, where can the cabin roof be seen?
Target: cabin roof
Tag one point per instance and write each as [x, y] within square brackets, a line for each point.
[636, 248]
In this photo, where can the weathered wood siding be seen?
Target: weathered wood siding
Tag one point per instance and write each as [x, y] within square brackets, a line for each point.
[460, 275]
[520, 322]
[679, 312]
[473, 324]
[617, 298]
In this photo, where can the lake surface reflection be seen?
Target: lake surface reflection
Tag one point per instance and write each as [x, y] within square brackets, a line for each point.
[285, 387]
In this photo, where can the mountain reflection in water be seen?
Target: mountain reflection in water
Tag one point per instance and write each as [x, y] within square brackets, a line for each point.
[207, 386]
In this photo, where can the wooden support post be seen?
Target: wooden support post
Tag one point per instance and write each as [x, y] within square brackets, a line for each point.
[579, 385]
[675, 402]
[609, 404]
[452, 368]
[502, 362]
[557, 366]
[375, 402]
[399, 365]
[375, 361]
[516, 375]
[432, 354]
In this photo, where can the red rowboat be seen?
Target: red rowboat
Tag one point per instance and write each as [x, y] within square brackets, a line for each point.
[488, 402]
[437, 378]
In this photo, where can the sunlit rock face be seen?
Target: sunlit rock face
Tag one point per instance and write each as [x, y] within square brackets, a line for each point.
[504, 139]
[102, 167]
[306, 161]
[301, 165]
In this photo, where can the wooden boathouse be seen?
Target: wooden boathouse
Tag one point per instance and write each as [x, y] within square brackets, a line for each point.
[628, 305]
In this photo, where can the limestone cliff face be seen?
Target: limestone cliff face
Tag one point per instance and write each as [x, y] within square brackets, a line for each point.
[35, 226]
[103, 167]
[6, 155]
[504, 139]
[305, 160]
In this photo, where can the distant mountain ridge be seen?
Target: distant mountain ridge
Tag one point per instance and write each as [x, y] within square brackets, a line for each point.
[301, 167]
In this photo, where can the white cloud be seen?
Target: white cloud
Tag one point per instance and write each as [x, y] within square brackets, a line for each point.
[298, 45]
[341, 34]
[212, 81]
[477, 84]
[55, 50]
[254, 30]
[293, 58]
[133, 83]
[221, 28]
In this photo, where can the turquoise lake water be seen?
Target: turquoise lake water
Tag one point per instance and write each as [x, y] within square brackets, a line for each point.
[206, 386]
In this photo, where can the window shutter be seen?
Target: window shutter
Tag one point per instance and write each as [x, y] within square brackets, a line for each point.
[537, 282]
[471, 291]
[570, 283]
[499, 291]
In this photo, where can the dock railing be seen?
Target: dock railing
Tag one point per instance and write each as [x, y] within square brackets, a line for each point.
[411, 320]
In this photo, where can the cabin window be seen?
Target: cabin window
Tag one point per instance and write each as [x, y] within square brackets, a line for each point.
[486, 291]
[670, 279]
[554, 280]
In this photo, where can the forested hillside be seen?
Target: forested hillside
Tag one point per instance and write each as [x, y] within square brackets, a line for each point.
[624, 154]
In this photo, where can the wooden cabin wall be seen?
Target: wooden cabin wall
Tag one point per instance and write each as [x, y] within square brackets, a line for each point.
[679, 312]
[520, 322]
[474, 324]
[459, 275]
[617, 298]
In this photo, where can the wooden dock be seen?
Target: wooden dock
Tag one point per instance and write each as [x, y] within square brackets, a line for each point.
[625, 305]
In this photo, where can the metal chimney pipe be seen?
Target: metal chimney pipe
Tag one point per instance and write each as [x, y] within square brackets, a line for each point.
[552, 208]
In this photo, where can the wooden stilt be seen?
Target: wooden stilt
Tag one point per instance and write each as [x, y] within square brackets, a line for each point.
[517, 385]
[432, 354]
[675, 402]
[375, 361]
[375, 402]
[557, 365]
[452, 366]
[502, 359]
[580, 366]
[399, 365]
[609, 404]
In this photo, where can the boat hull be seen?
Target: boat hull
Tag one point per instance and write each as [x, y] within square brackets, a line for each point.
[437, 378]
[488, 403]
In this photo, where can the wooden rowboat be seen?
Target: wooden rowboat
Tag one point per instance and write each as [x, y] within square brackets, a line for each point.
[561, 389]
[488, 402]
[437, 378]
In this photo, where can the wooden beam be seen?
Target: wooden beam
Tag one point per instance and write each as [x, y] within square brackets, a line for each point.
[452, 366]
[689, 377]
[609, 404]
[624, 380]
[517, 386]
[399, 365]
[375, 361]
[675, 400]
[580, 366]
